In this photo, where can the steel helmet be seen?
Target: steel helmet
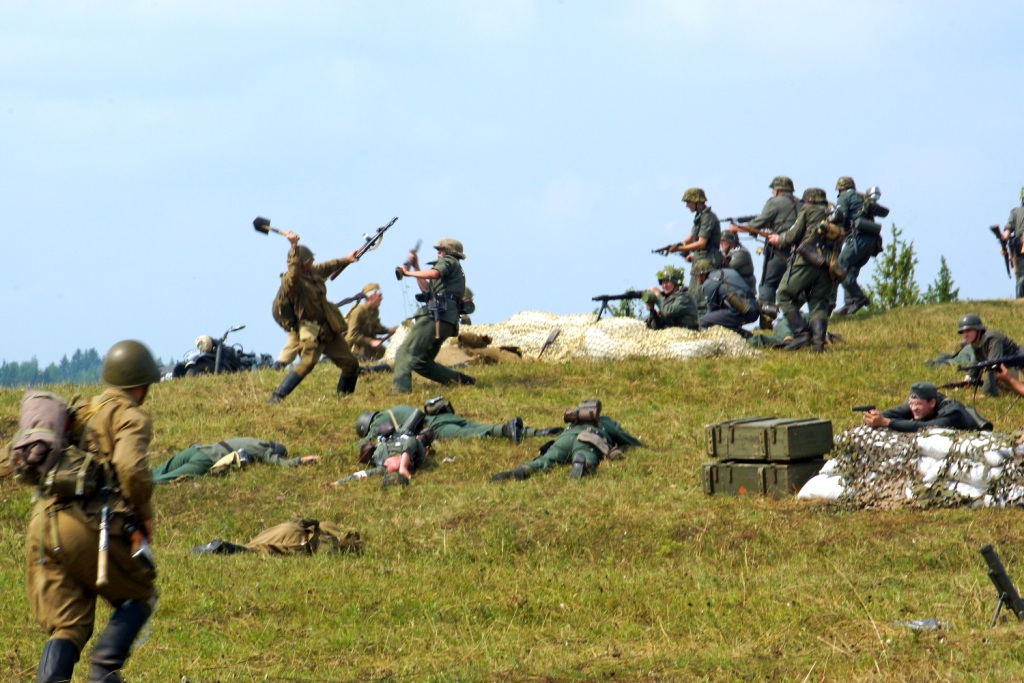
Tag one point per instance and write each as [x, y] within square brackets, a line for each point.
[971, 321]
[305, 253]
[702, 267]
[781, 182]
[129, 364]
[451, 246]
[730, 237]
[363, 423]
[694, 194]
[814, 195]
[845, 183]
[673, 274]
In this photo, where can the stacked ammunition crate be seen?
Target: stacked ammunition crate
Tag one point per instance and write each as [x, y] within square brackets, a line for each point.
[764, 456]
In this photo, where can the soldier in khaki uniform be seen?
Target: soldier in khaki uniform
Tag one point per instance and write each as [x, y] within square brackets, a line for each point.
[442, 288]
[805, 276]
[64, 532]
[365, 328]
[318, 322]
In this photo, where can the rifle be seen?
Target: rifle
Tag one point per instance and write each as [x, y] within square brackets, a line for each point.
[605, 298]
[408, 262]
[667, 249]
[372, 242]
[738, 220]
[754, 231]
[1016, 361]
[358, 296]
[1004, 247]
[1005, 589]
[961, 384]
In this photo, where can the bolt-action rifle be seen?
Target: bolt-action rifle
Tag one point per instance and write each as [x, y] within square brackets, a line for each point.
[605, 298]
[1016, 361]
[738, 220]
[1004, 248]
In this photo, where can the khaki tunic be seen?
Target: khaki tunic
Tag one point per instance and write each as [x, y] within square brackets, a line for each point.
[364, 327]
[65, 536]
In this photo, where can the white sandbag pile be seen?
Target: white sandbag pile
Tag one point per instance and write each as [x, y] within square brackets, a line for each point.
[878, 468]
[612, 338]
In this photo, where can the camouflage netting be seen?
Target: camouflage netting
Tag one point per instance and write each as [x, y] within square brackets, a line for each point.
[878, 468]
[613, 338]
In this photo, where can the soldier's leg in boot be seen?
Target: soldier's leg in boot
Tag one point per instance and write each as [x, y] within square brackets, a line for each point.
[585, 460]
[1018, 269]
[115, 643]
[288, 352]
[57, 662]
[819, 329]
[416, 343]
[425, 364]
[308, 358]
[338, 351]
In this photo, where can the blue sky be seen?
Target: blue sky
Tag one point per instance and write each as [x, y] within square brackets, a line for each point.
[553, 138]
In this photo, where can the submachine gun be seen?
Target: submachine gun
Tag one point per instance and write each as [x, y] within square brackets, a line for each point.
[605, 298]
[1005, 589]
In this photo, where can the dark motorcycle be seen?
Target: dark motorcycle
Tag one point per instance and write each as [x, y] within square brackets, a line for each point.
[222, 358]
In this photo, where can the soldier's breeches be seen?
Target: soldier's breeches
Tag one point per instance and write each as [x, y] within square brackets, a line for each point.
[417, 354]
[62, 590]
[335, 349]
[563, 454]
[728, 318]
[191, 462]
[774, 271]
[815, 284]
[1019, 269]
[290, 349]
[854, 256]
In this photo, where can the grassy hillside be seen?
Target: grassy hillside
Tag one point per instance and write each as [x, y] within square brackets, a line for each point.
[632, 575]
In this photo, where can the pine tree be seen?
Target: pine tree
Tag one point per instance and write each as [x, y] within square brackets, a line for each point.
[942, 291]
[892, 283]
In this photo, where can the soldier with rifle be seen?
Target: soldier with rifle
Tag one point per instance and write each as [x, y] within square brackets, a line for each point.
[924, 408]
[986, 346]
[862, 240]
[670, 305]
[93, 541]
[442, 288]
[777, 216]
[366, 335]
[702, 242]
[1013, 244]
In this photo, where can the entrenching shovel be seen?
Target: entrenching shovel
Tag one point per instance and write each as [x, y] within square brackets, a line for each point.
[263, 225]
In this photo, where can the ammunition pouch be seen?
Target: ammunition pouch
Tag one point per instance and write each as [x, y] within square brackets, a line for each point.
[738, 302]
[437, 406]
[812, 254]
[77, 475]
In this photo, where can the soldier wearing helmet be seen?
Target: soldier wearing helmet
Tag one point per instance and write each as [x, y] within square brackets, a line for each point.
[63, 533]
[777, 216]
[731, 301]
[365, 329]
[446, 424]
[982, 344]
[737, 257]
[1013, 234]
[316, 322]
[670, 305]
[808, 278]
[703, 240]
[442, 288]
[861, 242]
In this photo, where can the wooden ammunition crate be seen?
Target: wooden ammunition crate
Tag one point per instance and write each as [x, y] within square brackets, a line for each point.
[768, 439]
[757, 478]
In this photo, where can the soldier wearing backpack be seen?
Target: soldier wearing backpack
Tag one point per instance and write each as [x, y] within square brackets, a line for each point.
[108, 506]
[302, 307]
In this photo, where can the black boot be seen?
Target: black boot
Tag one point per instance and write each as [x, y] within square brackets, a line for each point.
[219, 547]
[513, 430]
[579, 467]
[278, 365]
[347, 385]
[519, 474]
[288, 384]
[818, 330]
[115, 643]
[801, 335]
[57, 662]
[370, 369]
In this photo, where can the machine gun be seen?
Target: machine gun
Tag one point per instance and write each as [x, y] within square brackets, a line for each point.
[1016, 361]
[605, 298]
[372, 242]
[1005, 589]
[1004, 247]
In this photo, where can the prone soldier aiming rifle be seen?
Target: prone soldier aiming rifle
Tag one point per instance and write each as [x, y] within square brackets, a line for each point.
[605, 298]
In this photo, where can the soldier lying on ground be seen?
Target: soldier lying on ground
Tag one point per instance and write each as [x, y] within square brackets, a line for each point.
[441, 418]
[782, 334]
[197, 460]
[925, 408]
[395, 457]
[300, 536]
[589, 438]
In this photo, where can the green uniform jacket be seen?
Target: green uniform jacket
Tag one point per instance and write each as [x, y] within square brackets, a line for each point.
[991, 345]
[804, 231]
[778, 215]
[852, 204]
[449, 288]
[308, 292]
[948, 413]
[445, 425]
[705, 224]
[678, 309]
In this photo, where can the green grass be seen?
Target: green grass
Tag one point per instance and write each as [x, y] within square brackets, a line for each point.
[632, 575]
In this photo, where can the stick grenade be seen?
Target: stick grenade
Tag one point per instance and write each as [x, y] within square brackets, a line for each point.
[263, 225]
[101, 564]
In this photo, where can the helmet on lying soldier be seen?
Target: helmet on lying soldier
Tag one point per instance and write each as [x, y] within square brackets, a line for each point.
[971, 321]
[694, 194]
[673, 274]
[363, 423]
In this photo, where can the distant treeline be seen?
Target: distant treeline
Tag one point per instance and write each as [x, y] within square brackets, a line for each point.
[82, 368]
